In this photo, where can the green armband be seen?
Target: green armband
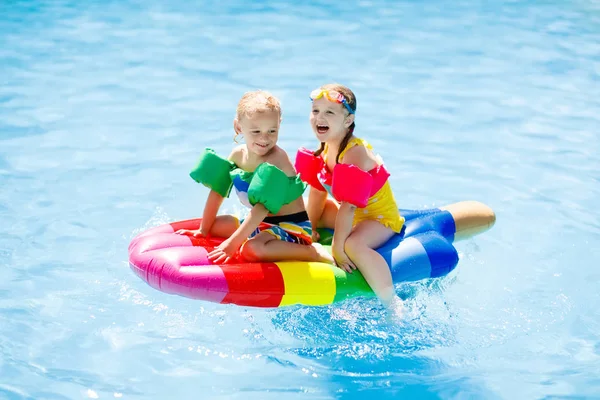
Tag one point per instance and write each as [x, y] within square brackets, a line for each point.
[272, 188]
[295, 189]
[213, 172]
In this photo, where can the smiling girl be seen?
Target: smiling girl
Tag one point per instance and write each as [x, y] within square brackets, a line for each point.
[365, 214]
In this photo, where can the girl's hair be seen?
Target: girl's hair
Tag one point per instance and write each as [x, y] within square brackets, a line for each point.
[351, 99]
[257, 101]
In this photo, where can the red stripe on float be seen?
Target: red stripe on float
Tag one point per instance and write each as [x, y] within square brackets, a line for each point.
[253, 284]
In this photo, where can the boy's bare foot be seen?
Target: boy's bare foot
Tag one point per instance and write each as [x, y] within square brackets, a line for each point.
[323, 255]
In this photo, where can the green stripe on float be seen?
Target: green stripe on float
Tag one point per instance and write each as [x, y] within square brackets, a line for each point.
[350, 285]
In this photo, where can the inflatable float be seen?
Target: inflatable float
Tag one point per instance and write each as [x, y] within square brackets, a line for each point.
[178, 264]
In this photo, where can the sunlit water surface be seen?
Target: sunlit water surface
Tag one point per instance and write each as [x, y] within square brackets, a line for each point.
[104, 107]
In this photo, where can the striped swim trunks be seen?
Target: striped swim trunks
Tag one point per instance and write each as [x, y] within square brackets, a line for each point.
[292, 228]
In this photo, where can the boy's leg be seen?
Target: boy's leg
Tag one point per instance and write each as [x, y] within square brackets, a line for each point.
[224, 226]
[266, 247]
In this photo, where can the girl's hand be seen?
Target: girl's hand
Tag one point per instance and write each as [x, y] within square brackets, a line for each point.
[223, 253]
[315, 236]
[342, 260]
[194, 233]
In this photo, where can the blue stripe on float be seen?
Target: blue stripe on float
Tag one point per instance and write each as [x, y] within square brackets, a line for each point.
[444, 223]
[443, 257]
[412, 214]
[409, 261]
[441, 222]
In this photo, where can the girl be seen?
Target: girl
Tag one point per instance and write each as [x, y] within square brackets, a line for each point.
[365, 215]
[277, 227]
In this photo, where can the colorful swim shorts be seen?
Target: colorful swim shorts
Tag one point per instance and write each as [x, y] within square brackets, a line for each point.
[292, 228]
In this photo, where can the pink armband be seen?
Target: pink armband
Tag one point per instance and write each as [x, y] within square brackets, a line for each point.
[308, 166]
[380, 176]
[351, 184]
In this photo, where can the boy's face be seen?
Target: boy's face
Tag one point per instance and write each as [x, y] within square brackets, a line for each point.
[260, 131]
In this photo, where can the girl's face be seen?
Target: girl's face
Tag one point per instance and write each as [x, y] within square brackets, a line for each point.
[260, 131]
[330, 121]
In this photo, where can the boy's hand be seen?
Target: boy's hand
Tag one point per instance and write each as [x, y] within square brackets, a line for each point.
[195, 233]
[223, 252]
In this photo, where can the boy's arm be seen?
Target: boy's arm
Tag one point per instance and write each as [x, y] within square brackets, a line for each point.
[211, 208]
[226, 250]
[259, 212]
[283, 162]
[256, 215]
[213, 203]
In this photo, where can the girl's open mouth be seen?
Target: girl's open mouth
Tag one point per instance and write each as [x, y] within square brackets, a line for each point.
[322, 129]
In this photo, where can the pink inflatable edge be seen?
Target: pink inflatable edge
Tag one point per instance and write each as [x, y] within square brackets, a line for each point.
[170, 263]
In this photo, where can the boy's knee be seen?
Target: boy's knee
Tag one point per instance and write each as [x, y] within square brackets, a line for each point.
[253, 250]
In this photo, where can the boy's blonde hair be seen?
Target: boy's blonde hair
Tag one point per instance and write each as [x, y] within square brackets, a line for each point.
[255, 102]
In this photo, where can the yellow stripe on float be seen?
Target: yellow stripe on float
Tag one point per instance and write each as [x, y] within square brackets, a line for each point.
[309, 283]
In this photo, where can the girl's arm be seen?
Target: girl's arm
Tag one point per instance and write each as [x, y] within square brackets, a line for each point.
[315, 206]
[343, 228]
[360, 157]
[316, 198]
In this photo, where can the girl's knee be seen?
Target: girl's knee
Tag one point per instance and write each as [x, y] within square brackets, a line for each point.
[353, 244]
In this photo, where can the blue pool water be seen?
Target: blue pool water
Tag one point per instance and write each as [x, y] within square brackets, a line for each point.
[104, 106]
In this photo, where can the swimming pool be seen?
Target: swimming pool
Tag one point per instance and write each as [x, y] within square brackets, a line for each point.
[105, 106]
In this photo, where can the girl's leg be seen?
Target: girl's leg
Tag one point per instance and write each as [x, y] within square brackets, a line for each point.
[266, 247]
[360, 245]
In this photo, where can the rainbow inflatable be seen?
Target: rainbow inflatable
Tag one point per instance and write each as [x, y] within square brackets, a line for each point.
[178, 264]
